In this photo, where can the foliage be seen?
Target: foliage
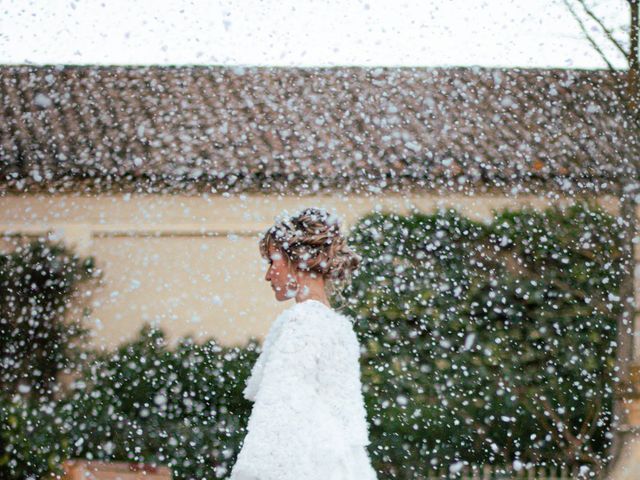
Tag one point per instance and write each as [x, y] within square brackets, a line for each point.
[146, 402]
[31, 437]
[37, 340]
[487, 343]
[482, 343]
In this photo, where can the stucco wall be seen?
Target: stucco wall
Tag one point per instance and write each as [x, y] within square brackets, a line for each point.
[191, 264]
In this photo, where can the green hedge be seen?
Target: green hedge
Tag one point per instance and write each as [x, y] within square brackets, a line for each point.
[179, 407]
[488, 343]
[483, 343]
[37, 282]
[40, 337]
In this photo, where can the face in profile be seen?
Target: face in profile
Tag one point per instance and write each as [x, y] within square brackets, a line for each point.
[280, 276]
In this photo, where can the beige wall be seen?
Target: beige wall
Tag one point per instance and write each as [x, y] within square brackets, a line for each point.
[191, 264]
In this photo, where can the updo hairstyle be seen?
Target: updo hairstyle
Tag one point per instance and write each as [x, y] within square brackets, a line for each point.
[311, 240]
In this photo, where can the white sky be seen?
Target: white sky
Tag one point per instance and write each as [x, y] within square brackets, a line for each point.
[535, 33]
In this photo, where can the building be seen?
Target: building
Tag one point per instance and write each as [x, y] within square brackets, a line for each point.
[168, 175]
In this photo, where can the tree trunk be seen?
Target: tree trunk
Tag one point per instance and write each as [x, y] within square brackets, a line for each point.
[628, 356]
[634, 66]
[627, 348]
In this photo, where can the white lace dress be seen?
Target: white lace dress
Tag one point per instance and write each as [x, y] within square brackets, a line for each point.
[308, 420]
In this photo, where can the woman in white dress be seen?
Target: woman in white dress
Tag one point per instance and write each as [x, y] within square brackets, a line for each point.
[308, 420]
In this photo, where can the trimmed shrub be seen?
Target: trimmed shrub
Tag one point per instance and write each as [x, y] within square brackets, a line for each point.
[488, 343]
[40, 337]
[482, 343]
[180, 407]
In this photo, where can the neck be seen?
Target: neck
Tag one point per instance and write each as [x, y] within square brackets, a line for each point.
[312, 290]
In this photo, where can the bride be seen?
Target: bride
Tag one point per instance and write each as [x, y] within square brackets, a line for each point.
[308, 420]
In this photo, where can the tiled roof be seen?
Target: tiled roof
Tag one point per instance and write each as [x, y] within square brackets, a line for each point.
[194, 129]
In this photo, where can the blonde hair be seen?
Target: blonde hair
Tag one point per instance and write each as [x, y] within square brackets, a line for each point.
[311, 241]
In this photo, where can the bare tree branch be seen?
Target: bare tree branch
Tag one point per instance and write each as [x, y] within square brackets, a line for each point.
[588, 36]
[605, 29]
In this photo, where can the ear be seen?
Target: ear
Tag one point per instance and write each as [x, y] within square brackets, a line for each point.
[294, 271]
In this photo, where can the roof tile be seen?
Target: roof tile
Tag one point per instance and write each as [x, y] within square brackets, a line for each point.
[193, 129]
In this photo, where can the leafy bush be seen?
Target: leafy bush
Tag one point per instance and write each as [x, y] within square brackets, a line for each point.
[31, 437]
[487, 343]
[484, 343]
[145, 402]
[180, 407]
[37, 339]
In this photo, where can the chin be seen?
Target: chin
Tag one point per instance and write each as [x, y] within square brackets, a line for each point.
[282, 296]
